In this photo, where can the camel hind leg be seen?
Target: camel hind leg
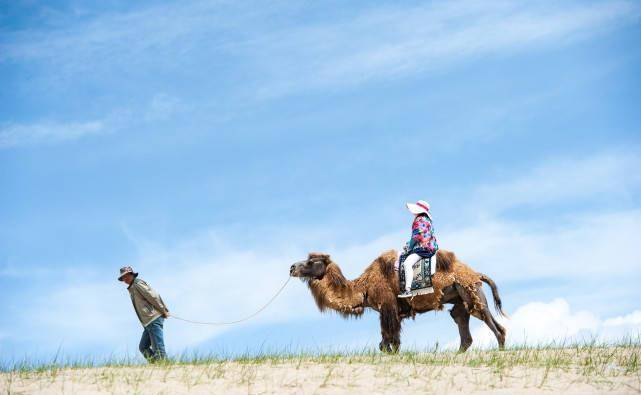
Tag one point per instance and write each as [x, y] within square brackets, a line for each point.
[488, 317]
[479, 309]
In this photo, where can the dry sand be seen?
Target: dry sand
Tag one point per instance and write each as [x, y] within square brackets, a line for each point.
[610, 371]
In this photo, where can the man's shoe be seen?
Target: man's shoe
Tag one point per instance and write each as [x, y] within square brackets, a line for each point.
[405, 294]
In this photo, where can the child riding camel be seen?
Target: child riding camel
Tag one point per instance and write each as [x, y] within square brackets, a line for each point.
[423, 243]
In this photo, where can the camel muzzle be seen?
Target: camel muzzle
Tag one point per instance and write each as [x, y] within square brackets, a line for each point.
[292, 269]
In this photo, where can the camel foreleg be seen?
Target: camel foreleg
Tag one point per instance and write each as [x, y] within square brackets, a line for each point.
[390, 328]
[462, 318]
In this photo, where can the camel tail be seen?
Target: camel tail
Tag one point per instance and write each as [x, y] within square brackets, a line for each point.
[498, 305]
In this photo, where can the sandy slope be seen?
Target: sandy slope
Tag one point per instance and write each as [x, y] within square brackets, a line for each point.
[307, 377]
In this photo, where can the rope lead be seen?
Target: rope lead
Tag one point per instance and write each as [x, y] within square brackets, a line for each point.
[242, 319]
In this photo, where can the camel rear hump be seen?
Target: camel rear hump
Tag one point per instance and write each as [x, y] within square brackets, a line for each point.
[445, 260]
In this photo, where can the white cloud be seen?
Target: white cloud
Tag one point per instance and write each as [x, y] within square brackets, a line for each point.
[555, 323]
[394, 42]
[47, 132]
[166, 35]
[285, 56]
[632, 319]
[595, 177]
[565, 253]
[573, 249]
[160, 107]
[581, 243]
[79, 313]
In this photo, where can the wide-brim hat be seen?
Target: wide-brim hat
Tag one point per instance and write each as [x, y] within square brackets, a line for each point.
[420, 207]
[126, 270]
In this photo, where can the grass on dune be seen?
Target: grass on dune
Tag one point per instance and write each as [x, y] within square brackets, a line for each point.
[590, 357]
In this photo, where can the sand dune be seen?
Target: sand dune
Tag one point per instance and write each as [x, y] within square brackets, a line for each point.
[568, 371]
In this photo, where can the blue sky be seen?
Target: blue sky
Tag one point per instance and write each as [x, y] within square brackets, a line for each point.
[211, 144]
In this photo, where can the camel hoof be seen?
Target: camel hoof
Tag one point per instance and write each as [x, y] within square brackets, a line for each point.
[385, 347]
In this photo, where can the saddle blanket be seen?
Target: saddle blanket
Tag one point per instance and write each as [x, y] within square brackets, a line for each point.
[424, 269]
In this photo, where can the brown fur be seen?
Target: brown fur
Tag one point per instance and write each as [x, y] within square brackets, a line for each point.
[336, 293]
[385, 263]
[444, 260]
[378, 287]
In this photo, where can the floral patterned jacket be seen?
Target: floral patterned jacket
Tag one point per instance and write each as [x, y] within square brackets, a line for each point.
[423, 236]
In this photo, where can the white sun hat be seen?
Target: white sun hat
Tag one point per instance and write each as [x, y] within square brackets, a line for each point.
[420, 207]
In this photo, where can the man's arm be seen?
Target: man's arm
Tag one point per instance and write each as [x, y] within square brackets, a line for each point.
[152, 297]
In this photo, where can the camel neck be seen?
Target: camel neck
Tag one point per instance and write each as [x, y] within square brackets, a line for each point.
[337, 293]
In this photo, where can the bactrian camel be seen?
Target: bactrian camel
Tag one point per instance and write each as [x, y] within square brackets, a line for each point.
[377, 288]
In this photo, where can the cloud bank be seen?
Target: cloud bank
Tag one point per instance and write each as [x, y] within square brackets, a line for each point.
[554, 322]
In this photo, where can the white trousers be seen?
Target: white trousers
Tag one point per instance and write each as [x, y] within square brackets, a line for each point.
[409, 272]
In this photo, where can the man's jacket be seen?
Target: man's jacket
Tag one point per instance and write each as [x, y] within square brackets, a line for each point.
[147, 303]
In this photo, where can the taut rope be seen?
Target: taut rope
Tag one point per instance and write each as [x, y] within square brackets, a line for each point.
[252, 315]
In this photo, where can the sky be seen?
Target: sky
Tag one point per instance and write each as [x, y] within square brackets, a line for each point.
[211, 144]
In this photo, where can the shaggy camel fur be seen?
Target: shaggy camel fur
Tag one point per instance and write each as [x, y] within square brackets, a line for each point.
[454, 283]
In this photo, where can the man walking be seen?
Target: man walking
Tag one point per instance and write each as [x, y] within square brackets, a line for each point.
[151, 312]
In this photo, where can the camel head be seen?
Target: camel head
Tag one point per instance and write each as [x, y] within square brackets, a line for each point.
[331, 290]
[312, 268]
